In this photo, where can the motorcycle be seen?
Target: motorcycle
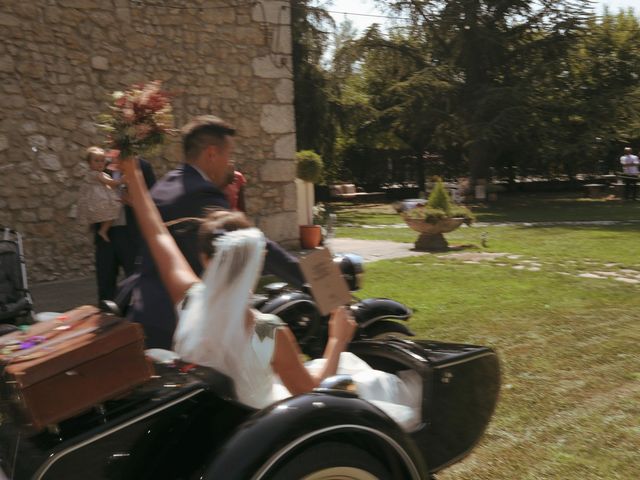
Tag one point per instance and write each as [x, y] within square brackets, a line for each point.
[377, 318]
[186, 424]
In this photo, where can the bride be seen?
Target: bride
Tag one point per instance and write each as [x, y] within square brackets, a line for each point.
[216, 327]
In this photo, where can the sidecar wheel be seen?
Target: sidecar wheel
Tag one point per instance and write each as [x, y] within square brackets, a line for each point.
[385, 329]
[332, 460]
[389, 335]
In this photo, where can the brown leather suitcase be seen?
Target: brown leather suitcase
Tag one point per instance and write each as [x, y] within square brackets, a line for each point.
[63, 367]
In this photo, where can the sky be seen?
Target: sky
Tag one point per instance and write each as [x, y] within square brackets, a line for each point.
[363, 7]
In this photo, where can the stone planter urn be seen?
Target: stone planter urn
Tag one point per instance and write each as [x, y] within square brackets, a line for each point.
[431, 234]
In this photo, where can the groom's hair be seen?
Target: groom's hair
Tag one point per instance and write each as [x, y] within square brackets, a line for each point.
[203, 131]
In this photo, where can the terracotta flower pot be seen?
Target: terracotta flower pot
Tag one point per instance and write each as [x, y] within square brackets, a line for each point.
[310, 236]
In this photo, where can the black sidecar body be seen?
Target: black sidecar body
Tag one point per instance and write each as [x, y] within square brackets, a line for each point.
[185, 424]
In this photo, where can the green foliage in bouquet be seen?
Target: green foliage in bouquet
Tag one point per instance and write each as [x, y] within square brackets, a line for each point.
[439, 206]
[309, 166]
[139, 121]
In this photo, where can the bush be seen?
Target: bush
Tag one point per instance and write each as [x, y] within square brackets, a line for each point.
[309, 166]
[433, 215]
[458, 211]
[439, 206]
[439, 198]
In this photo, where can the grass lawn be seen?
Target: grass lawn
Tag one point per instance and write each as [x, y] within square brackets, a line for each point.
[569, 345]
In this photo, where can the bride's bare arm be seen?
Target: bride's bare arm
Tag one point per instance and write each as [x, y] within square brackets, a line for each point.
[286, 357]
[175, 272]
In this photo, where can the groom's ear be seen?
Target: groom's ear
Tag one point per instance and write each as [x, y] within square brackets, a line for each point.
[214, 151]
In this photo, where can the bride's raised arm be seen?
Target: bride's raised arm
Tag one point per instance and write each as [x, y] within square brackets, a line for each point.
[175, 272]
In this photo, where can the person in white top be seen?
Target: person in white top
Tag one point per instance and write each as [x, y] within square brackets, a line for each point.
[630, 163]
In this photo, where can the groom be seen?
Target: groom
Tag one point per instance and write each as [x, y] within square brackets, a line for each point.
[188, 192]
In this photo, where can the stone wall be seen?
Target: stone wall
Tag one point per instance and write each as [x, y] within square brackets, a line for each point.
[60, 60]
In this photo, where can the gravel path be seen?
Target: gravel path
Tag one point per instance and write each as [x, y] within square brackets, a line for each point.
[372, 250]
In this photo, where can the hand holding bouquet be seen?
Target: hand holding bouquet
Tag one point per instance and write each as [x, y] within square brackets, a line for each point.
[140, 119]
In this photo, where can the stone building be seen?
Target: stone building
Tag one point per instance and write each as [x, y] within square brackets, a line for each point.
[61, 59]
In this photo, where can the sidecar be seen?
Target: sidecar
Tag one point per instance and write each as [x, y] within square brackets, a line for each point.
[186, 424]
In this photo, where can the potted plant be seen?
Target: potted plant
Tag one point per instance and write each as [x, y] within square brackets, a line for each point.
[309, 170]
[437, 216]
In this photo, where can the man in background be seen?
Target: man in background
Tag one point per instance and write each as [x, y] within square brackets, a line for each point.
[630, 163]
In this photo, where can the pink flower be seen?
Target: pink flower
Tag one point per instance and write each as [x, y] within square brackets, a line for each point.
[139, 119]
[128, 114]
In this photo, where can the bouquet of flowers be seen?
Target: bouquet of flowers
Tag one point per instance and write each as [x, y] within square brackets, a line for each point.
[140, 119]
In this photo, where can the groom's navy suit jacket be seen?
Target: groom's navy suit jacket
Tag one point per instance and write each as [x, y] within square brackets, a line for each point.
[185, 193]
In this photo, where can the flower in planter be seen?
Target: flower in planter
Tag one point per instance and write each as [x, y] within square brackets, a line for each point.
[319, 214]
[439, 206]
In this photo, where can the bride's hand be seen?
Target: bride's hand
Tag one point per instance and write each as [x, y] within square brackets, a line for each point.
[127, 164]
[342, 326]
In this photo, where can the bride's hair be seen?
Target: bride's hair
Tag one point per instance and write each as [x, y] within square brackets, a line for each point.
[216, 223]
[212, 330]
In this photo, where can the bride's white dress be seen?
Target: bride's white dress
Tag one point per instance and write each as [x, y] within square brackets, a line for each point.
[257, 385]
[212, 331]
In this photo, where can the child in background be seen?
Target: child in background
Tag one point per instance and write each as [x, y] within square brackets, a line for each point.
[234, 191]
[98, 202]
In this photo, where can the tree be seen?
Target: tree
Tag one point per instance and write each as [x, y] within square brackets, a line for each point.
[314, 116]
[604, 83]
[492, 51]
[483, 87]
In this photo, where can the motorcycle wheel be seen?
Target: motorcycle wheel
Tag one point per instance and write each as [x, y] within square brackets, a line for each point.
[330, 461]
